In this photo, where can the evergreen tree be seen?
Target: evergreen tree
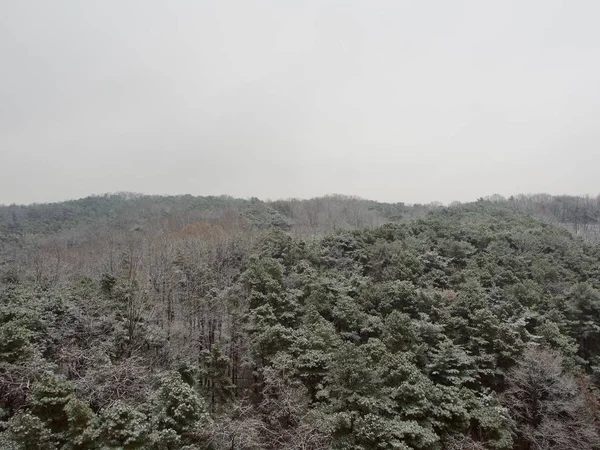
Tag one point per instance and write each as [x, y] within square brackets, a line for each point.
[178, 415]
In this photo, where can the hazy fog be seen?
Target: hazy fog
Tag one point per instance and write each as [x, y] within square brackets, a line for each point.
[409, 101]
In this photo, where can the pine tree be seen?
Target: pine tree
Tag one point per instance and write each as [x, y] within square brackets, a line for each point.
[178, 415]
[120, 426]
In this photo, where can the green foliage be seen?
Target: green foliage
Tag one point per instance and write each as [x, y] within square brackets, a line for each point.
[120, 426]
[178, 415]
[28, 432]
[405, 336]
[53, 401]
[14, 342]
[215, 365]
[56, 419]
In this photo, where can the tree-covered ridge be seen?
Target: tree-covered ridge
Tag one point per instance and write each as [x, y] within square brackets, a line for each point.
[127, 210]
[471, 328]
[316, 216]
[43, 231]
[580, 215]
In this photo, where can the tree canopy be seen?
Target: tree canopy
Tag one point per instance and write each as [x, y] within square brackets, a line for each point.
[473, 326]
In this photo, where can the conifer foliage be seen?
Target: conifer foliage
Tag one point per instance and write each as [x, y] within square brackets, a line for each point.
[475, 327]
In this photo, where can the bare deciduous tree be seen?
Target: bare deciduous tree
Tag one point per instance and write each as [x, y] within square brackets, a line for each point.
[550, 409]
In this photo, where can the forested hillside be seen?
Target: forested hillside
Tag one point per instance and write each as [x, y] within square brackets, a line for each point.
[76, 222]
[127, 210]
[187, 322]
[580, 215]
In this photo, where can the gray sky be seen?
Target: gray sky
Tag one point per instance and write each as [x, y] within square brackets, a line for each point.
[394, 100]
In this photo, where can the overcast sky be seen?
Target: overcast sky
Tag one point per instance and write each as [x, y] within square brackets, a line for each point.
[412, 101]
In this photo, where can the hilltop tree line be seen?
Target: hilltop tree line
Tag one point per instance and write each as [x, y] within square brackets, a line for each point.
[470, 327]
[580, 215]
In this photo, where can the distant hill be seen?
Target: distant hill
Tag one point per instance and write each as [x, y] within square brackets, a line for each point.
[579, 214]
[128, 211]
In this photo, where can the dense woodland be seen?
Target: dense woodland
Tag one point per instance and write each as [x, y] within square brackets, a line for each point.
[146, 322]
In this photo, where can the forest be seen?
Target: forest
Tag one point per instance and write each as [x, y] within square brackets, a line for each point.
[153, 322]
